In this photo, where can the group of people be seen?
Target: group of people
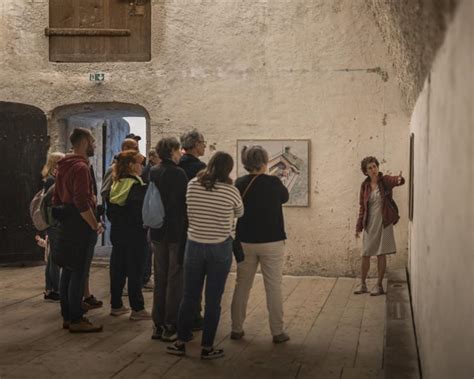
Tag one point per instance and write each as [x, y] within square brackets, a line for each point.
[208, 219]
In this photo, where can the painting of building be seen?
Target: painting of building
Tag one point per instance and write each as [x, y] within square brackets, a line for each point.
[289, 161]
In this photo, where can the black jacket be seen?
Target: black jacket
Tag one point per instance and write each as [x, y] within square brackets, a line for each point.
[191, 165]
[128, 216]
[172, 183]
[262, 221]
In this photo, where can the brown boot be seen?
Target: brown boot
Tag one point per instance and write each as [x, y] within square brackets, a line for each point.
[84, 326]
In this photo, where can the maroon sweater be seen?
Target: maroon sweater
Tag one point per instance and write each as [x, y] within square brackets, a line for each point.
[389, 216]
[74, 185]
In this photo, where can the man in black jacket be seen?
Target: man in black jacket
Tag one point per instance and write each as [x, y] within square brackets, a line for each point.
[194, 146]
[168, 241]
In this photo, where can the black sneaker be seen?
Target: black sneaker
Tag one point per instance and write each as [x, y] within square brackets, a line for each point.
[157, 332]
[92, 302]
[52, 297]
[176, 349]
[237, 335]
[169, 335]
[212, 353]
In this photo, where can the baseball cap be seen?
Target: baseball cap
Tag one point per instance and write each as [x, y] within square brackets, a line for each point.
[133, 136]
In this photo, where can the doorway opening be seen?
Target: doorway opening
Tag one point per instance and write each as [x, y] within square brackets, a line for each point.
[110, 123]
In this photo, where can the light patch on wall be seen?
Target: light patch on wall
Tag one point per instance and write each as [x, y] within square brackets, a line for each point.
[138, 127]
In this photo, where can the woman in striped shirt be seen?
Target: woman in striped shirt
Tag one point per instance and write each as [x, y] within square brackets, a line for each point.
[213, 205]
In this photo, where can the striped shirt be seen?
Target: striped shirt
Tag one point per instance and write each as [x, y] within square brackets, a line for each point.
[212, 213]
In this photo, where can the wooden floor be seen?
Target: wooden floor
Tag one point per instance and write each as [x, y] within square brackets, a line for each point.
[334, 334]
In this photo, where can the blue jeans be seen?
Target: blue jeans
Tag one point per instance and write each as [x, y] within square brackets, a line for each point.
[204, 261]
[52, 271]
[72, 283]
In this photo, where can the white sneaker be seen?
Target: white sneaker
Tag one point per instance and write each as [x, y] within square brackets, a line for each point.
[360, 289]
[377, 290]
[140, 315]
[119, 311]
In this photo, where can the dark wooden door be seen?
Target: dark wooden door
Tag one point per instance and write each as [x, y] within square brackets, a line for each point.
[23, 148]
[99, 30]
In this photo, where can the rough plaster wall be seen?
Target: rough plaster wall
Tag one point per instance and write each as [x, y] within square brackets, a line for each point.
[442, 242]
[263, 69]
[413, 31]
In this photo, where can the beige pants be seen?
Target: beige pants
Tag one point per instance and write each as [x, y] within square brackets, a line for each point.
[270, 257]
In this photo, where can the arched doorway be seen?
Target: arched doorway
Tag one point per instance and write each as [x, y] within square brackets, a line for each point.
[23, 146]
[110, 123]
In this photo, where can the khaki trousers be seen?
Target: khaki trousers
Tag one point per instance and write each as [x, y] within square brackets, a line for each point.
[270, 257]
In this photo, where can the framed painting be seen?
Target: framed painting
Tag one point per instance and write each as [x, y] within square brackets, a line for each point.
[289, 160]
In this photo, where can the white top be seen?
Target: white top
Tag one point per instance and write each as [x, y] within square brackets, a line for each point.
[212, 213]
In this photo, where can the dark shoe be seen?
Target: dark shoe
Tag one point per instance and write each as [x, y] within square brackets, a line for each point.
[176, 349]
[281, 338]
[237, 335]
[52, 297]
[92, 302]
[66, 324]
[212, 354]
[198, 324]
[157, 332]
[169, 335]
[84, 326]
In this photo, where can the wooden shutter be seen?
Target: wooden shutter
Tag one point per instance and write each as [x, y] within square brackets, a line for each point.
[99, 30]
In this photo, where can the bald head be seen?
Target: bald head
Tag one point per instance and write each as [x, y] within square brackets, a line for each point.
[129, 144]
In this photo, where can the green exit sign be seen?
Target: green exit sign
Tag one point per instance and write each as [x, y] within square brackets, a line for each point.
[97, 77]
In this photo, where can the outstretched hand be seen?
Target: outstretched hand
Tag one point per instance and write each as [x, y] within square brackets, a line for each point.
[399, 178]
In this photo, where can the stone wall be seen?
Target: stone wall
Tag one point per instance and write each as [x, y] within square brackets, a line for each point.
[442, 242]
[413, 30]
[292, 69]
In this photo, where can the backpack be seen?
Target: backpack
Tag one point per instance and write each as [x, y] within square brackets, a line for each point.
[40, 209]
[153, 211]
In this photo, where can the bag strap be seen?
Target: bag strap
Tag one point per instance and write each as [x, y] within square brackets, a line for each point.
[249, 185]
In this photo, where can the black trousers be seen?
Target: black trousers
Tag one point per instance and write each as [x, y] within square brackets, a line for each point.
[129, 250]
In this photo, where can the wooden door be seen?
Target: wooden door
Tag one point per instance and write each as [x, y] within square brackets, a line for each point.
[23, 148]
[99, 30]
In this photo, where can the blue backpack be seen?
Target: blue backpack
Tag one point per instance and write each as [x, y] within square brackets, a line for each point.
[153, 211]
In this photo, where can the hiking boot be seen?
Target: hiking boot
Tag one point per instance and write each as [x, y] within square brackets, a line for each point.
[212, 353]
[237, 335]
[92, 302]
[198, 324]
[51, 297]
[281, 338]
[360, 289]
[377, 290]
[157, 332]
[84, 326]
[169, 335]
[176, 349]
[119, 311]
[140, 315]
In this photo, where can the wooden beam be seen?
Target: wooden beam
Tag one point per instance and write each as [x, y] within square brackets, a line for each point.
[86, 32]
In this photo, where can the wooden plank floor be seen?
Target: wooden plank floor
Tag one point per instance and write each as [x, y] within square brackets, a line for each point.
[334, 334]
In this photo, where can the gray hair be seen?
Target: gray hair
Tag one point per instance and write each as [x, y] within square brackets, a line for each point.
[190, 139]
[254, 157]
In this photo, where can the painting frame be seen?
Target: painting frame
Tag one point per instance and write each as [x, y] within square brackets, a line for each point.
[411, 188]
[296, 200]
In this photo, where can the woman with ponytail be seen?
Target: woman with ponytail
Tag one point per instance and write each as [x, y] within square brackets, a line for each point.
[213, 205]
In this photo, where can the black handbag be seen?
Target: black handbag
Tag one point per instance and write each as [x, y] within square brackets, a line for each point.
[237, 248]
